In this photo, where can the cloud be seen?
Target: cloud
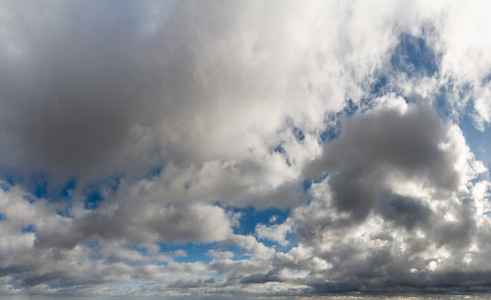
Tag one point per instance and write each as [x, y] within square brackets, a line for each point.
[386, 144]
[117, 220]
[403, 211]
[177, 117]
[395, 201]
[276, 233]
[96, 89]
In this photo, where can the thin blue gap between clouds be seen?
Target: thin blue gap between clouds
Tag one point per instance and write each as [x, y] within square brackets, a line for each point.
[195, 252]
[412, 57]
[479, 142]
[29, 229]
[250, 218]
[39, 186]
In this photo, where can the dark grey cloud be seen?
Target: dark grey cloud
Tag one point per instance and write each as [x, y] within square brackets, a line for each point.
[392, 214]
[71, 101]
[404, 211]
[101, 87]
[94, 89]
[384, 144]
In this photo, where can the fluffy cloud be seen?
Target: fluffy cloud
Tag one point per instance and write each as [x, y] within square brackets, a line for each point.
[175, 116]
[396, 142]
[275, 232]
[391, 213]
[123, 89]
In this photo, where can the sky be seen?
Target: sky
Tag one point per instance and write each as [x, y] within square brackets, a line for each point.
[244, 149]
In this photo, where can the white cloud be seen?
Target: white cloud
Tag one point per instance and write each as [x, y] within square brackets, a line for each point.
[233, 102]
[276, 233]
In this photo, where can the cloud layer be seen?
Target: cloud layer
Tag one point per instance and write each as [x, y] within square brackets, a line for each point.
[136, 137]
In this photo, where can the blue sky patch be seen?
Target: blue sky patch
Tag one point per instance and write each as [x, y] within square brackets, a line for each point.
[195, 251]
[413, 57]
[12, 179]
[38, 184]
[250, 217]
[198, 252]
[95, 192]
[350, 108]
[29, 229]
[442, 107]
[331, 132]
[92, 200]
[68, 188]
[379, 87]
[478, 141]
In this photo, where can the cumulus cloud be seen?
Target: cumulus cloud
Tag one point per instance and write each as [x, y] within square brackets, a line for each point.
[167, 119]
[408, 212]
[403, 143]
[275, 232]
[93, 88]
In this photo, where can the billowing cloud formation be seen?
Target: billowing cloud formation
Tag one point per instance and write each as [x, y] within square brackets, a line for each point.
[406, 214]
[243, 148]
[387, 145]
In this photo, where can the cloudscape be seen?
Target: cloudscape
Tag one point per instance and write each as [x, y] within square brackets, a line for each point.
[245, 149]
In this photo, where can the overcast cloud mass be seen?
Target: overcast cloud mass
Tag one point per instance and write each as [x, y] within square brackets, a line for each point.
[244, 148]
